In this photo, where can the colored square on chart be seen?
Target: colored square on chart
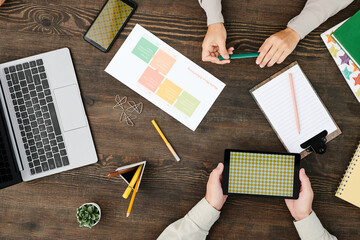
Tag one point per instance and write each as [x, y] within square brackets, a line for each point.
[258, 173]
[163, 62]
[169, 91]
[151, 79]
[186, 103]
[145, 50]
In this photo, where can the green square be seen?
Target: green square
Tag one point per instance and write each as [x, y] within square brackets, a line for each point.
[186, 103]
[145, 50]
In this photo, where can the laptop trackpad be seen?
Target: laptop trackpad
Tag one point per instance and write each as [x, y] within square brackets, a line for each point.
[70, 108]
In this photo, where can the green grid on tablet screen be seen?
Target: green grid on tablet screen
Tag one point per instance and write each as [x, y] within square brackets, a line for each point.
[263, 174]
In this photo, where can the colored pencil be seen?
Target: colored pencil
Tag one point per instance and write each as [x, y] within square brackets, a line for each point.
[117, 173]
[294, 102]
[132, 182]
[165, 140]
[242, 55]
[133, 198]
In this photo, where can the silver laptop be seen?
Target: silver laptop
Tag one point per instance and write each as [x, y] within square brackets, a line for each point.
[44, 118]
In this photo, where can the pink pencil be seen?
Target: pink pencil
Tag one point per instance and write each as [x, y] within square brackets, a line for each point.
[294, 102]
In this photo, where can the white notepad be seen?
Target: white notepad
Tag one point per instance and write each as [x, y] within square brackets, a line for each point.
[275, 100]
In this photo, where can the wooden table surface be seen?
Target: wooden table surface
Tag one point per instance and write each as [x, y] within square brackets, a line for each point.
[46, 208]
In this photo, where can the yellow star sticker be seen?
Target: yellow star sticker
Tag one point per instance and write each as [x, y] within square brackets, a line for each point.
[333, 51]
[358, 93]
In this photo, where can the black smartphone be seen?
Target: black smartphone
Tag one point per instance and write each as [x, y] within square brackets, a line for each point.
[108, 24]
[261, 173]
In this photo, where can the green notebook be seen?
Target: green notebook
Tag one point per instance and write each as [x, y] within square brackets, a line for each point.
[348, 37]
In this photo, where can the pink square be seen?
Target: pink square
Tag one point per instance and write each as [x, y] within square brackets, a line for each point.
[151, 79]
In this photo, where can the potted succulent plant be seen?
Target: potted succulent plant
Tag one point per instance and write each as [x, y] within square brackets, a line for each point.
[88, 214]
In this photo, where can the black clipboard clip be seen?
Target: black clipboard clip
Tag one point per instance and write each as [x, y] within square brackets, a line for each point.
[316, 144]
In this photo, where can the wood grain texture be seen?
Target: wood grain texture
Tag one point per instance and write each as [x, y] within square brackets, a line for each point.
[46, 208]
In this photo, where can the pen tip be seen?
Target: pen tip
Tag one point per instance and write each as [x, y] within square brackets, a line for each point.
[127, 214]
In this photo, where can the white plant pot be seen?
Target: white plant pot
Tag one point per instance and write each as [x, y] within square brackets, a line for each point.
[95, 205]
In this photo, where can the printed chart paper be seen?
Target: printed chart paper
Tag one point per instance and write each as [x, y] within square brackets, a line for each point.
[165, 77]
[346, 66]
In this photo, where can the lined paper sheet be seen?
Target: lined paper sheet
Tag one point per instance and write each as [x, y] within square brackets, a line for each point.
[275, 99]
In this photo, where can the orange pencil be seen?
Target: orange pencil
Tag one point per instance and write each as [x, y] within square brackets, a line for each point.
[294, 102]
[133, 198]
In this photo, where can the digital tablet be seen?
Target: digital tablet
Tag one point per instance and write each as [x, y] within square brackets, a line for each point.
[261, 173]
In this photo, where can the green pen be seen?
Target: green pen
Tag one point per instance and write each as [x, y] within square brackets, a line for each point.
[243, 55]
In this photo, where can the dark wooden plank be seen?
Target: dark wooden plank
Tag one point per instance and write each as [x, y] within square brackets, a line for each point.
[45, 208]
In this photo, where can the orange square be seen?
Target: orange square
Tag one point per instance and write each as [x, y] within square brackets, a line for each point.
[162, 62]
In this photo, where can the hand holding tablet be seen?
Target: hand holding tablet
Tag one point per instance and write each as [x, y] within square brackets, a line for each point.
[302, 207]
[214, 194]
[261, 173]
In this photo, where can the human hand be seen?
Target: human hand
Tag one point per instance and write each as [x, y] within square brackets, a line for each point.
[214, 193]
[1, 2]
[214, 44]
[277, 47]
[302, 207]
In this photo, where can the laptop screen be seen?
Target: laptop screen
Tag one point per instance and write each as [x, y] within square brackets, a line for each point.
[9, 173]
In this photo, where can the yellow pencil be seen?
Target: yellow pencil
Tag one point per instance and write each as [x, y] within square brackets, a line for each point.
[165, 140]
[133, 198]
[132, 182]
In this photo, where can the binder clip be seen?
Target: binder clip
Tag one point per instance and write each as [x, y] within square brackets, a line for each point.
[316, 144]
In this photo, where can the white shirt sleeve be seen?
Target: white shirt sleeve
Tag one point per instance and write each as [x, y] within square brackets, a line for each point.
[310, 228]
[213, 11]
[315, 13]
[195, 225]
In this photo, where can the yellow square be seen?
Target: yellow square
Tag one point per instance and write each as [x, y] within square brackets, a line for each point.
[169, 91]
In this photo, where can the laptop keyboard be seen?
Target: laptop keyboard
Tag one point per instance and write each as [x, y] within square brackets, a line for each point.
[36, 116]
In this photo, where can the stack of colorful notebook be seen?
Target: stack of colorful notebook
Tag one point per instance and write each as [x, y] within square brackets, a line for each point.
[342, 41]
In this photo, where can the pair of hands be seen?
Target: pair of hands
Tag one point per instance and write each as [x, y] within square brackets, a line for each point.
[299, 208]
[274, 50]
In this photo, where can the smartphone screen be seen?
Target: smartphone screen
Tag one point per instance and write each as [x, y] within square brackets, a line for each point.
[109, 23]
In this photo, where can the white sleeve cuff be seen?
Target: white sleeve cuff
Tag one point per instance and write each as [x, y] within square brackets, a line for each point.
[204, 215]
[213, 11]
[314, 14]
[310, 227]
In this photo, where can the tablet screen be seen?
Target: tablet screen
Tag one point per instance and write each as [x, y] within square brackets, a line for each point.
[261, 173]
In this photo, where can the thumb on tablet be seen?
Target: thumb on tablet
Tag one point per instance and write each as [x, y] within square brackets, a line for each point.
[219, 168]
[214, 192]
[305, 181]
